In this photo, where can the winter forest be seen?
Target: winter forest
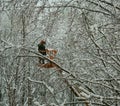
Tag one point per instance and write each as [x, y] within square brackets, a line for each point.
[82, 39]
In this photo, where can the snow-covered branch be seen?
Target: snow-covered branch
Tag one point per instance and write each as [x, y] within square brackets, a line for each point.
[44, 83]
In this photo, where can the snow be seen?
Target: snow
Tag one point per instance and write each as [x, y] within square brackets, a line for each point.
[33, 90]
[38, 104]
[78, 55]
[44, 83]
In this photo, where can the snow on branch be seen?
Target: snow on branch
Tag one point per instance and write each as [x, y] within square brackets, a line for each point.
[102, 97]
[57, 65]
[73, 6]
[101, 84]
[42, 82]
[84, 93]
[8, 43]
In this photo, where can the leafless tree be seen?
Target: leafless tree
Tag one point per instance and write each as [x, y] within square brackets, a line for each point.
[86, 35]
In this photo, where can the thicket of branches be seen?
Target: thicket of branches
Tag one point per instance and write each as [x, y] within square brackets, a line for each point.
[86, 34]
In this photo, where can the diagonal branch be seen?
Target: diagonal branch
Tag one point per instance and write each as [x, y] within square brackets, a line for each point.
[103, 1]
[77, 7]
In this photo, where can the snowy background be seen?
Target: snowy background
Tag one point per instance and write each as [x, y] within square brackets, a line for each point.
[86, 34]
